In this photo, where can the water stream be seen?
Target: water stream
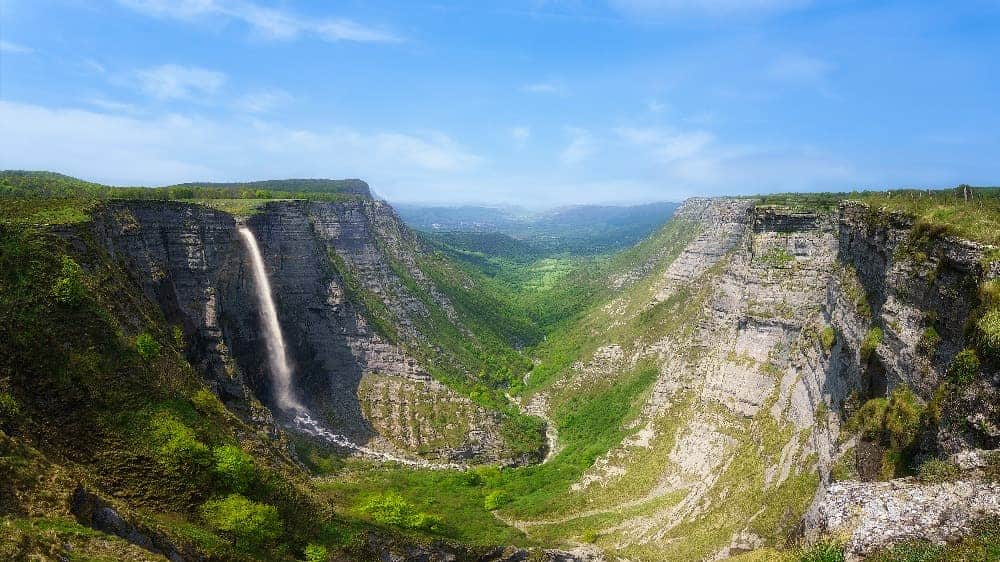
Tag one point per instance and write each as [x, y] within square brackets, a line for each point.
[281, 372]
[277, 356]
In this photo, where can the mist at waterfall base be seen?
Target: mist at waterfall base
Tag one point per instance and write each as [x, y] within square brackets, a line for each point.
[281, 372]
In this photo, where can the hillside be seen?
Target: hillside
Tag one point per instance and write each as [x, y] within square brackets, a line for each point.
[742, 382]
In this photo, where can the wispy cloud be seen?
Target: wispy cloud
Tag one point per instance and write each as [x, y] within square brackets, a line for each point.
[520, 134]
[172, 81]
[270, 23]
[167, 148]
[671, 9]
[545, 87]
[580, 147]
[665, 144]
[14, 48]
[263, 101]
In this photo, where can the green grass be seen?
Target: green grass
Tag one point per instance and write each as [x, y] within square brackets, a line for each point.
[946, 211]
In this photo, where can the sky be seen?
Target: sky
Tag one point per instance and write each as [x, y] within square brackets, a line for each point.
[529, 102]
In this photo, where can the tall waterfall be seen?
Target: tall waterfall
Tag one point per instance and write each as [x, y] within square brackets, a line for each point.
[281, 373]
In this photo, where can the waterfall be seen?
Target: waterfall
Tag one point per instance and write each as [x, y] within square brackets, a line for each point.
[281, 373]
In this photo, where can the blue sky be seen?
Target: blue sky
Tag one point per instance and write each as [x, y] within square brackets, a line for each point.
[532, 102]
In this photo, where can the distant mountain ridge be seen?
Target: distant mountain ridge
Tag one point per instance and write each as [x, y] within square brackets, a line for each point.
[578, 229]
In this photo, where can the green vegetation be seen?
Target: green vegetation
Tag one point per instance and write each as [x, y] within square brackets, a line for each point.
[775, 257]
[945, 212]
[9, 408]
[872, 340]
[828, 337]
[391, 509]
[823, 552]
[69, 287]
[893, 423]
[929, 340]
[147, 347]
[251, 524]
[982, 545]
[936, 471]
[234, 467]
[317, 553]
[964, 368]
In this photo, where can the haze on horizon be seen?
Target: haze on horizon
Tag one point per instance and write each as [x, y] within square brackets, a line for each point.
[537, 103]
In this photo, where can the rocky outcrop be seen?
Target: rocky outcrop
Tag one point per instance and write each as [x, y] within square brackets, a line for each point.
[874, 515]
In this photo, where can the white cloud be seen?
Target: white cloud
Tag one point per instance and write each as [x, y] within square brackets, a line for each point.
[143, 150]
[270, 23]
[668, 145]
[546, 87]
[14, 48]
[263, 101]
[655, 106]
[172, 81]
[670, 9]
[581, 146]
[520, 134]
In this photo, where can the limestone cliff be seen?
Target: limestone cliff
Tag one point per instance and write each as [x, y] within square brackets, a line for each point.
[348, 291]
[760, 329]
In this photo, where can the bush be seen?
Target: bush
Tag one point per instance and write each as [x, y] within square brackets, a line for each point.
[250, 523]
[206, 402]
[391, 509]
[9, 408]
[148, 348]
[589, 536]
[234, 467]
[936, 471]
[929, 341]
[69, 288]
[873, 339]
[178, 335]
[177, 445]
[988, 330]
[964, 367]
[316, 553]
[496, 500]
[823, 552]
[827, 338]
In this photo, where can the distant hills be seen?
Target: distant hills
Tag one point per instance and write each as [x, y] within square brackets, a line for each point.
[576, 230]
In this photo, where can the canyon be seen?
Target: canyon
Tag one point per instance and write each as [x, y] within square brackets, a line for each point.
[712, 396]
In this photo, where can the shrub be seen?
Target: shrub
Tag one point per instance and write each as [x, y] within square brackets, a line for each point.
[177, 445]
[873, 339]
[495, 500]
[827, 338]
[69, 288]
[964, 367]
[935, 470]
[988, 330]
[250, 523]
[823, 552]
[148, 348]
[589, 536]
[234, 467]
[391, 509]
[178, 335]
[9, 408]
[206, 402]
[902, 418]
[928, 341]
[316, 553]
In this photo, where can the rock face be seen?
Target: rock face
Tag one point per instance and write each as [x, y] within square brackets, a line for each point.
[333, 266]
[874, 515]
[760, 362]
